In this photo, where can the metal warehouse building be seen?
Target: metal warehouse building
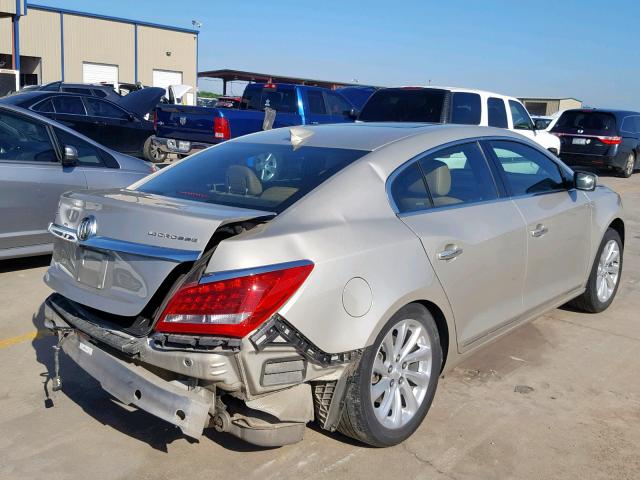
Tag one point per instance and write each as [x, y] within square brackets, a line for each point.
[549, 106]
[47, 44]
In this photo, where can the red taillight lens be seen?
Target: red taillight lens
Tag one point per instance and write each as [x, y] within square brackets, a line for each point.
[232, 307]
[611, 140]
[221, 128]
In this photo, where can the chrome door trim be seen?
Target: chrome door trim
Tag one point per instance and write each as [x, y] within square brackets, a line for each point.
[244, 272]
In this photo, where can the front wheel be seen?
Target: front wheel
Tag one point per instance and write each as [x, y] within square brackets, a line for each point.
[152, 152]
[392, 389]
[604, 279]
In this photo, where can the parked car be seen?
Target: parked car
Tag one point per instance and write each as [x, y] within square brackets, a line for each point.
[121, 127]
[227, 102]
[541, 122]
[184, 130]
[92, 89]
[600, 138]
[454, 105]
[39, 160]
[336, 287]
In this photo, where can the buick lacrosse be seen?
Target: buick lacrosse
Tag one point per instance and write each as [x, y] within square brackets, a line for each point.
[328, 273]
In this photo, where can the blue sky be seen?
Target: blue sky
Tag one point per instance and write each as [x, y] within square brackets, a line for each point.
[585, 49]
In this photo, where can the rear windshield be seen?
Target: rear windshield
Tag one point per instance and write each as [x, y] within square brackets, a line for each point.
[404, 105]
[589, 122]
[251, 175]
[281, 99]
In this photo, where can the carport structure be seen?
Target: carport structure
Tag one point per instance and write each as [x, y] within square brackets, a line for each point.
[228, 75]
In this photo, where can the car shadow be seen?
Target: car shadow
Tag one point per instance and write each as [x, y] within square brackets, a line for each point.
[86, 392]
[16, 264]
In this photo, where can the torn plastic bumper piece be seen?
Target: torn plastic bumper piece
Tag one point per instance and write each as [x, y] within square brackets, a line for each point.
[134, 385]
[278, 328]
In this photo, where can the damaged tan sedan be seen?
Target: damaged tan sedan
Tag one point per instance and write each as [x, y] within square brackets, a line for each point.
[324, 274]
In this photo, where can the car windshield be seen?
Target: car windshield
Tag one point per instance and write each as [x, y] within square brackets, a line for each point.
[251, 175]
[404, 105]
[590, 122]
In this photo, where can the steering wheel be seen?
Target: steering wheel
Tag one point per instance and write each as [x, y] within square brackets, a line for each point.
[266, 166]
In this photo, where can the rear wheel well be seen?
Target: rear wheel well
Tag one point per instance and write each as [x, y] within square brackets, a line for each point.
[618, 226]
[443, 328]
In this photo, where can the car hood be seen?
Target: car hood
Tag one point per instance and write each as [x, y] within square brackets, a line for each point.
[142, 101]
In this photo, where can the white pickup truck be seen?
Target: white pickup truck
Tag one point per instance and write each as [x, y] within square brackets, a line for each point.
[455, 105]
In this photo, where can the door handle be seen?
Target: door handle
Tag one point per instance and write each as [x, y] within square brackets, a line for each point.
[539, 231]
[450, 252]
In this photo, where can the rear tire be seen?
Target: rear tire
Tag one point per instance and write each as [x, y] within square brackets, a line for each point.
[152, 152]
[629, 166]
[406, 380]
[590, 301]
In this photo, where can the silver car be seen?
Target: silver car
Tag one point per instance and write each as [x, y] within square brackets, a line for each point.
[41, 159]
[328, 273]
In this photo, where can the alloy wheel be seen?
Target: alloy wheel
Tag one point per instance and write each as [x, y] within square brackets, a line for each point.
[401, 373]
[608, 271]
[629, 167]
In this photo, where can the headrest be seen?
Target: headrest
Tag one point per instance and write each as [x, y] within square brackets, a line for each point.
[243, 181]
[438, 177]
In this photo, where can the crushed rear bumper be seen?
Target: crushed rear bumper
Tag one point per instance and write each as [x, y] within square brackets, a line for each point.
[132, 384]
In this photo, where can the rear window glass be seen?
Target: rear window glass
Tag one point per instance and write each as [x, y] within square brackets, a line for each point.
[465, 108]
[281, 99]
[251, 175]
[404, 105]
[589, 122]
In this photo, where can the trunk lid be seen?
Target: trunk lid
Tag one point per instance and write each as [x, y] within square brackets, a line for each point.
[138, 240]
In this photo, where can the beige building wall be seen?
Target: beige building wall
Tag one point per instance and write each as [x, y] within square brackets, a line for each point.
[153, 45]
[40, 37]
[6, 37]
[567, 103]
[9, 6]
[96, 40]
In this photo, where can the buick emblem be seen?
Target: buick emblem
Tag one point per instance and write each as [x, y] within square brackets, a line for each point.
[183, 120]
[87, 227]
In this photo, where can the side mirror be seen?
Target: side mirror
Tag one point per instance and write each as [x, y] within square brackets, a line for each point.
[585, 181]
[353, 113]
[70, 157]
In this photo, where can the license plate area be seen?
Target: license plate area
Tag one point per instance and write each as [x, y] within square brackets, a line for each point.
[92, 268]
[580, 141]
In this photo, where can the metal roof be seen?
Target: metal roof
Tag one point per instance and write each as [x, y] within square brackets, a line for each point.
[231, 75]
[110, 18]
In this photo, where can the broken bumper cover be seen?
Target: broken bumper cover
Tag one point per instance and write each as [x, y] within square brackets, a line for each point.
[134, 385]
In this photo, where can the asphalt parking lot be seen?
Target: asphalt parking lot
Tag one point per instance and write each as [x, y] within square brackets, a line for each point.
[558, 398]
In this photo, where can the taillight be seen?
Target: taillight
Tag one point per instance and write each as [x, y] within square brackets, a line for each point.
[221, 128]
[231, 307]
[611, 140]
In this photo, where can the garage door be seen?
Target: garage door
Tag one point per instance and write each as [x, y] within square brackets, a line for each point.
[164, 78]
[99, 72]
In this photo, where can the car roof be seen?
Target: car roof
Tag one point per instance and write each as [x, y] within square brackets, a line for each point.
[370, 136]
[452, 89]
[612, 111]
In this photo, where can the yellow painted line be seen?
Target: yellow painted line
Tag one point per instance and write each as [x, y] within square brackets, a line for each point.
[25, 337]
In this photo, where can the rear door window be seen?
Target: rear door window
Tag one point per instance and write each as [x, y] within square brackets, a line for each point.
[526, 170]
[631, 124]
[280, 98]
[408, 190]
[520, 116]
[466, 108]
[404, 105]
[497, 113]
[69, 105]
[44, 107]
[23, 139]
[100, 108]
[587, 122]
[458, 175]
[316, 102]
[337, 105]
